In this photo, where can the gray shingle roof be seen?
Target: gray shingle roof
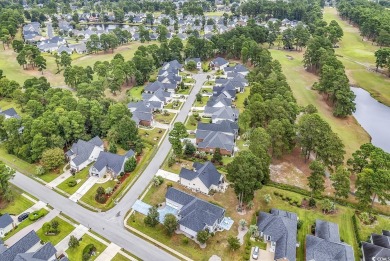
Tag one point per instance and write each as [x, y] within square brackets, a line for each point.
[215, 140]
[282, 227]
[196, 60]
[45, 252]
[386, 233]
[380, 240]
[327, 230]
[83, 150]
[222, 126]
[216, 99]
[112, 161]
[321, 249]
[97, 141]
[219, 61]
[5, 220]
[23, 245]
[10, 113]
[195, 213]
[207, 173]
[225, 113]
[373, 252]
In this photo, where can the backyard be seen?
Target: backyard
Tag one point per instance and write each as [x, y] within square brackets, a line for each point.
[64, 229]
[77, 253]
[151, 136]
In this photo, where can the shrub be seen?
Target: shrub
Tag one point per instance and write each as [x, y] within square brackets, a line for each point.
[36, 215]
[88, 251]
[299, 224]
[202, 236]
[130, 164]
[72, 183]
[185, 241]
[312, 202]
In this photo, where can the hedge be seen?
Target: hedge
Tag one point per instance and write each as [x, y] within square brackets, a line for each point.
[36, 215]
[356, 230]
[72, 183]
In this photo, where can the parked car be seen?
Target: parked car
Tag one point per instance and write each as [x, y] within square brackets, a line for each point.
[23, 216]
[255, 254]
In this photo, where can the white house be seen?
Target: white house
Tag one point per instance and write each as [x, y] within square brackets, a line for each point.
[194, 214]
[6, 224]
[196, 60]
[109, 163]
[83, 153]
[219, 63]
[203, 178]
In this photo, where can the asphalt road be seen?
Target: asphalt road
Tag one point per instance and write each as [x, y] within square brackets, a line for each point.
[49, 28]
[110, 224]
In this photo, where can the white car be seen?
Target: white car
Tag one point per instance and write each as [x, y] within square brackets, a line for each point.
[255, 254]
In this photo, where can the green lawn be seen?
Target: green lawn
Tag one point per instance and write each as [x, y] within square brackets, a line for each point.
[24, 224]
[171, 105]
[17, 205]
[366, 230]
[76, 253]
[152, 136]
[50, 176]
[300, 82]
[191, 123]
[186, 91]
[353, 48]
[188, 80]
[89, 197]
[343, 217]
[135, 92]
[119, 257]
[209, 83]
[64, 227]
[7, 103]
[201, 103]
[241, 98]
[16, 163]
[162, 118]
[82, 176]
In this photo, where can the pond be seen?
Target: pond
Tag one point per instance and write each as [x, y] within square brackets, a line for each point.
[374, 117]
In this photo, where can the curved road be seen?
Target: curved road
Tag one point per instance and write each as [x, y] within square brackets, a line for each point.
[109, 224]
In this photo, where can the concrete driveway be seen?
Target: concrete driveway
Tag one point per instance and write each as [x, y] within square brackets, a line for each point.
[84, 188]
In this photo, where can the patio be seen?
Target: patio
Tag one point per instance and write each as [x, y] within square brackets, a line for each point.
[226, 223]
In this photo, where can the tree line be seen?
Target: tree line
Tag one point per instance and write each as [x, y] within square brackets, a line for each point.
[54, 118]
[10, 20]
[372, 19]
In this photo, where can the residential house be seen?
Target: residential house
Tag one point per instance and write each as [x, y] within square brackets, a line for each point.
[196, 60]
[213, 140]
[227, 127]
[143, 111]
[221, 114]
[83, 153]
[79, 48]
[219, 63]
[194, 214]
[203, 178]
[236, 80]
[326, 244]
[279, 227]
[64, 48]
[378, 248]
[108, 162]
[225, 91]
[9, 113]
[182, 36]
[157, 85]
[239, 68]
[208, 29]
[6, 224]
[29, 247]
[158, 96]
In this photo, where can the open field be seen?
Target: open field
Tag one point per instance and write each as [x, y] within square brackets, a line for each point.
[356, 55]
[127, 51]
[300, 82]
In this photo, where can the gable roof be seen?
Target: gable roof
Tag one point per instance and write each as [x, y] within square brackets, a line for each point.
[225, 113]
[195, 213]
[5, 220]
[219, 61]
[97, 141]
[83, 150]
[327, 230]
[23, 245]
[374, 252]
[112, 161]
[281, 226]
[380, 240]
[222, 126]
[45, 252]
[10, 113]
[321, 249]
[207, 173]
[215, 140]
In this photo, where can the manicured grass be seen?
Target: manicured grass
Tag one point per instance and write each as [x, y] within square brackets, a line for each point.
[135, 92]
[82, 176]
[50, 176]
[171, 105]
[355, 55]
[211, 83]
[16, 163]
[77, 253]
[241, 98]
[201, 103]
[127, 51]
[300, 82]
[162, 118]
[152, 136]
[366, 230]
[185, 91]
[89, 197]
[188, 80]
[64, 227]
[176, 167]
[191, 123]
[119, 257]
[24, 224]
[17, 205]
[7, 103]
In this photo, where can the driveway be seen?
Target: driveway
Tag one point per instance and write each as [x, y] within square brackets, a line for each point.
[78, 232]
[108, 253]
[84, 189]
[168, 175]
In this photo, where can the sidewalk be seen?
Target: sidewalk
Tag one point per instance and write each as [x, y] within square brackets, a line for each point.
[168, 175]
[84, 188]
[57, 181]
[78, 232]
[34, 226]
[108, 253]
